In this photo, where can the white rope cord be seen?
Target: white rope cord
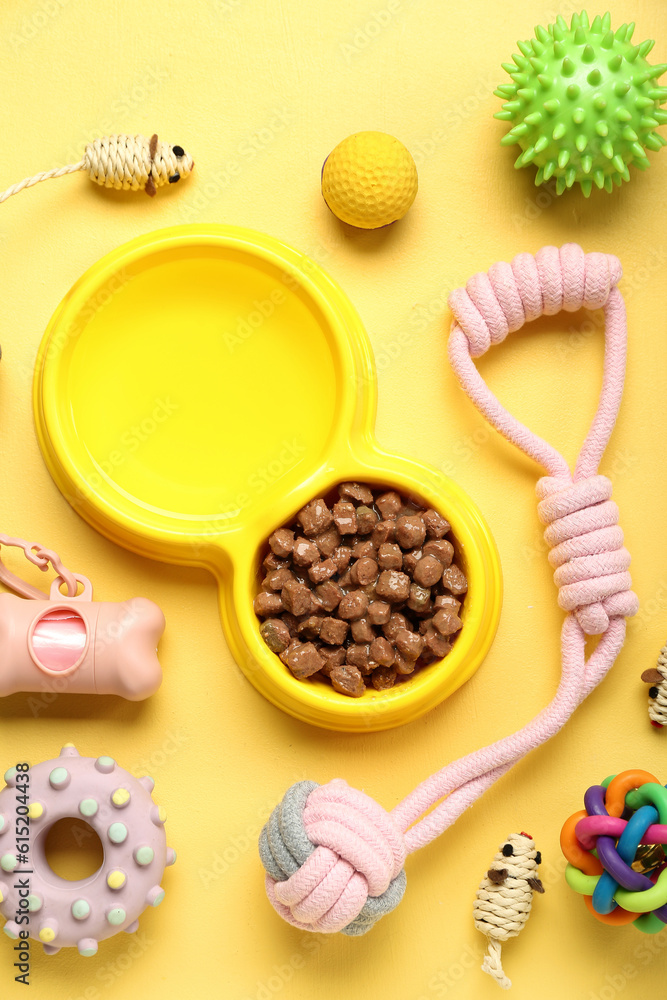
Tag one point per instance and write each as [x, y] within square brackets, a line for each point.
[504, 899]
[123, 162]
[657, 699]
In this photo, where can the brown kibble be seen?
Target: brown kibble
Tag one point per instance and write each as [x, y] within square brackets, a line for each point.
[435, 643]
[410, 561]
[315, 518]
[310, 627]
[321, 571]
[366, 520]
[282, 542]
[345, 517]
[333, 656]
[329, 595]
[266, 605]
[410, 531]
[335, 579]
[284, 656]
[389, 504]
[382, 652]
[446, 622]
[304, 660]
[379, 612]
[383, 678]
[291, 622]
[390, 556]
[436, 525]
[271, 562]
[296, 598]
[359, 656]
[419, 599]
[355, 491]
[364, 550]
[448, 602]
[334, 631]
[305, 552]
[395, 624]
[454, 580]
[346, 679]
[327, 541]
[275, 634]
[393, 586]
[383, 532]
[403, 666]
[278, 578]
[362, 631]
[428, 571]
[364, 571]
[341, 556]
[440, 549]
[353, 605]
[409, 644]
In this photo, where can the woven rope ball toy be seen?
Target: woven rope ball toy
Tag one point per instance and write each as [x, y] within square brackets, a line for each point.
[123, 162]
[505, 898]
[615, 851]
[583, 103]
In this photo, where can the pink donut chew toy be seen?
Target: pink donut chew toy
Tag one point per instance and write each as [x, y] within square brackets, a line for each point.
[120, 809]
[333, 856]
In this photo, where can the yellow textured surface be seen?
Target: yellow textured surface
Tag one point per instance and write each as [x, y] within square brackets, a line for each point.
[260, 92]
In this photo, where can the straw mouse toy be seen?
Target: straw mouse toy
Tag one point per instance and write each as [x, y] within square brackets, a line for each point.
[505, 897]
[657, 693]
[123, 162]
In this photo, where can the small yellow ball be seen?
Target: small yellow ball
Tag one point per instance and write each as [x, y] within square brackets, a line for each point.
[369, 180]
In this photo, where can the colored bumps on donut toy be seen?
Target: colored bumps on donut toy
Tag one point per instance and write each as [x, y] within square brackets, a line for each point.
[333, 859]
[583, 104]
[615, 851]
[130, 826]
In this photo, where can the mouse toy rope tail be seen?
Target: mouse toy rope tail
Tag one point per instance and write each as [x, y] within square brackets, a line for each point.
[123, 162]
[493, 965]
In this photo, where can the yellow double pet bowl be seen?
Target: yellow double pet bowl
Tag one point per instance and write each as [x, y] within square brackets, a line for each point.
[198, 386]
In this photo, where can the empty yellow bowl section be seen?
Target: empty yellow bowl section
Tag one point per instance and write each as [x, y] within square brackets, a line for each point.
[193, 390]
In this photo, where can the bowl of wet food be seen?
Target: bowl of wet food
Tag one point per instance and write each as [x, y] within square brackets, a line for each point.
[152, 401]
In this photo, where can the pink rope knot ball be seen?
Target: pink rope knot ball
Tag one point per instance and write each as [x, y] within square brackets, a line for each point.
[333, 858]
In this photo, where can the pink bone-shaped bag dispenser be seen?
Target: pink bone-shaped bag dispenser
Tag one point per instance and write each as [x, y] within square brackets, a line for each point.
[72, 644]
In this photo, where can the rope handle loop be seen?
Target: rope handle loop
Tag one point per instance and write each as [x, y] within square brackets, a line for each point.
[42, 558]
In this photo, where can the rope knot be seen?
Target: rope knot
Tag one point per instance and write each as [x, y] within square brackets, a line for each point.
[333, 857]
[587, 550]
[501, 300]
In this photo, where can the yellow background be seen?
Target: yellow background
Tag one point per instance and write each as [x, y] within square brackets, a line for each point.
[260, 91]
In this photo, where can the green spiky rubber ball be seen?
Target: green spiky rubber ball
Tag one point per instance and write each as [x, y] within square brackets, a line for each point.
[583, 103]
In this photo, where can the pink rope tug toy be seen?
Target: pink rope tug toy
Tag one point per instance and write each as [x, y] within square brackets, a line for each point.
[333, 856]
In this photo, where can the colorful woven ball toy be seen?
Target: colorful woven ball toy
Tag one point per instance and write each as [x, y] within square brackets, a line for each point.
[583, 103]
[615, 850]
